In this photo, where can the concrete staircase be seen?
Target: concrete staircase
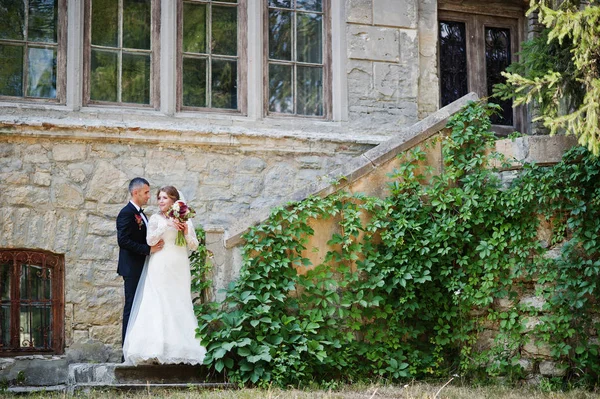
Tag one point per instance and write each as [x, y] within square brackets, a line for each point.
[88, 376]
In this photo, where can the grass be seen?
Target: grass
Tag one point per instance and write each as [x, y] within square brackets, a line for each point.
[410, 391]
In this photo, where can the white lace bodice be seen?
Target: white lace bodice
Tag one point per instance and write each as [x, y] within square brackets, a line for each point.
[160, 227]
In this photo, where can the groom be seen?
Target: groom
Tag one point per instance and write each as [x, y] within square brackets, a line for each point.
[133, 249]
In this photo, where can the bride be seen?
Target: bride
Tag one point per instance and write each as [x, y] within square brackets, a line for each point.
[163, 326]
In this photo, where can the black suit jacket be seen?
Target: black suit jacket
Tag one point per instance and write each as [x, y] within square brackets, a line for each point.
[131, 237]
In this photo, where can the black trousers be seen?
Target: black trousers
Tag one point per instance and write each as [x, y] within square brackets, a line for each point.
[131, 284]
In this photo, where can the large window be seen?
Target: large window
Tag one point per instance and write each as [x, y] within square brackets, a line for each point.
[121, 61]
[31, 302]
[210, 37]
[297, 63]
[32, 39]
[475, 47]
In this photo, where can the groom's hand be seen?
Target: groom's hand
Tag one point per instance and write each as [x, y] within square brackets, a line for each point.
[157, 247]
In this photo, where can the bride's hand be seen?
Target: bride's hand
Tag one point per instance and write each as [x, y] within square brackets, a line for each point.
[181, 226]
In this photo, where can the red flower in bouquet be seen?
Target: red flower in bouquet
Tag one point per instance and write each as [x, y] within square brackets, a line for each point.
[182, 212]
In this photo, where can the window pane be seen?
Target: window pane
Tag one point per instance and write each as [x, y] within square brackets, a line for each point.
[497, 58]
[5, 282]
[280, 3]
[43, 16]
[311, 5]
[194, 28]
[137, 22]
[224, 30]
[105, 19]
[280, 35]
[41, 67]
[11, 70]
[224, 84]
[310, 91]
[35, 322]
[280, 88]
[136, 78]
[35, 283]
[194, 82]
[310, 38]
[12, 20]
[453, 61]
[103, 76]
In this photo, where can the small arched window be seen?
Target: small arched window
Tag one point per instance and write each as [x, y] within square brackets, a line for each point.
[31, 302]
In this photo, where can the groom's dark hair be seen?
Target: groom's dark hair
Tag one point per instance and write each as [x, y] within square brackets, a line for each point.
[137, 182]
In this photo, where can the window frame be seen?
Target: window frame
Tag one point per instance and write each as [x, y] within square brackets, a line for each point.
[327, 67]
[476, 19]
[41, 258]
[155, 52]
[61, 61]
[242, 62]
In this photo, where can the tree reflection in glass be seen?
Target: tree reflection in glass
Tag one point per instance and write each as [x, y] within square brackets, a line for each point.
[310, 91]
[309, 5]
[41, 68]
[194, 28]
[136, 24]
[105, 23]
[43, 18]
[280, 35]
[12, 20]
[224, 84]
[280, 3]
[280, 88]
[224, 30]
[103, 76]
[136, 78]
[194, 82]
[11, 70]
[309, 47]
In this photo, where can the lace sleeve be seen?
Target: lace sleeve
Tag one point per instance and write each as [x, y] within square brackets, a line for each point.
[190, 237]
[156, 228]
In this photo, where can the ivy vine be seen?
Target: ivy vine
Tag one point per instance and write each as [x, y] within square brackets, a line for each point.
[411, 282]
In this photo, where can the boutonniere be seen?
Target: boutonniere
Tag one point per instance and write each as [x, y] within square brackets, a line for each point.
[139, 221]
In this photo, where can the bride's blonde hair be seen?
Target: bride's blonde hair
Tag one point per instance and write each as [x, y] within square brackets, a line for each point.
[170, 191]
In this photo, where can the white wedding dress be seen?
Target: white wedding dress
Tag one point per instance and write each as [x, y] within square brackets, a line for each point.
[162, 325]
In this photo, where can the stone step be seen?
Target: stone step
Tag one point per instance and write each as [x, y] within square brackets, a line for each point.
[121, 375]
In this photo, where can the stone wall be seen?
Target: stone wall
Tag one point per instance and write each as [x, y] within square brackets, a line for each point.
[391, 65]
[63, 196]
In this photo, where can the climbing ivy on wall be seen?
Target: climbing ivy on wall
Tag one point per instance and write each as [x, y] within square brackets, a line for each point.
[412, 280]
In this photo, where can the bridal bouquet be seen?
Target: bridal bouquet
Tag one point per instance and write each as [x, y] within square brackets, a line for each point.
[181, 212]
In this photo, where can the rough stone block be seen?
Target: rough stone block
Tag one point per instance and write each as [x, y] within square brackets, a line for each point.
[68, 152]
[46, 372]
[359, 11]
[66, 195]
[108, 184]
[252, 165]
[394, 81]
[542, 349]
[373, 43]
[42, 179]
[552, 369]
[35, 154]
[88, 351]
[398, 13]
